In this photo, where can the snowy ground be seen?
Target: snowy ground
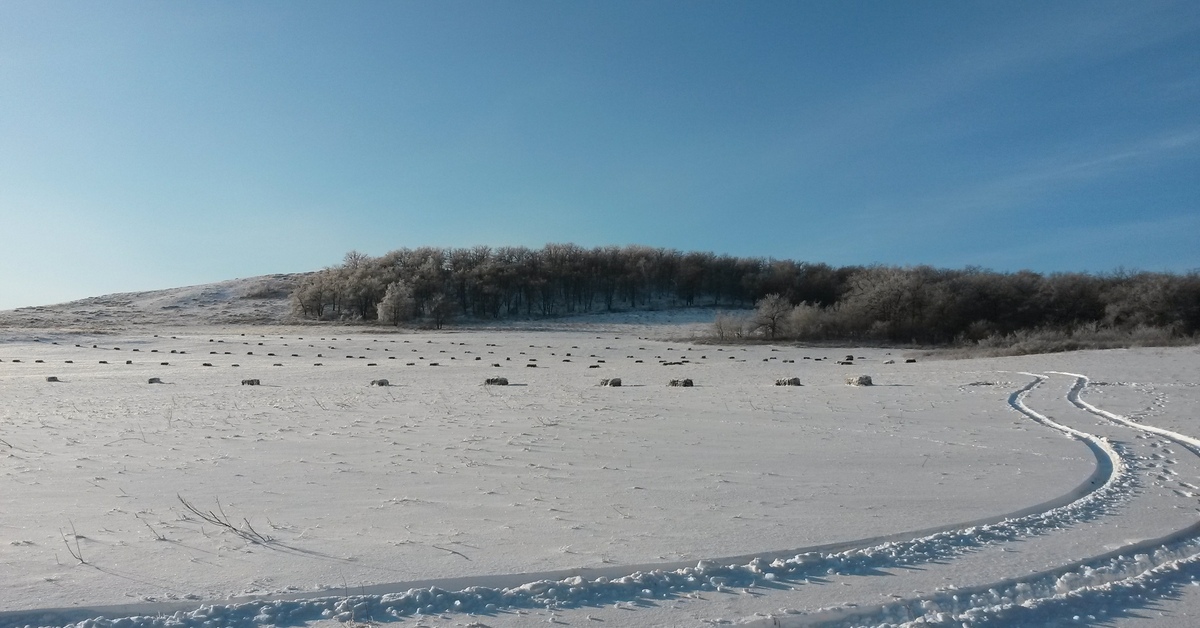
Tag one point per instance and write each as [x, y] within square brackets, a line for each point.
[1019, 485]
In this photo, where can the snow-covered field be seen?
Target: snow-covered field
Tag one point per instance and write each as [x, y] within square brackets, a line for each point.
[1039, 490]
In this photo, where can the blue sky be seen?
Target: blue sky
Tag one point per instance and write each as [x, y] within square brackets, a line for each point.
[151, 145]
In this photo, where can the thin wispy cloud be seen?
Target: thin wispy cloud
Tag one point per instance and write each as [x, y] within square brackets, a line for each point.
[875, 111]
[1049, 174]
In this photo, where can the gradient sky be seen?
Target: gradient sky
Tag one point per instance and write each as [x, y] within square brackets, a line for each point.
[150, 145]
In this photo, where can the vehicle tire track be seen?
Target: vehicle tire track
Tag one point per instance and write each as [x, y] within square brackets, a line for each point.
[1129, 575]
[1081, 382]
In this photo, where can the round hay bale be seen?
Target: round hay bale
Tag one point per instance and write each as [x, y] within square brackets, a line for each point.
[859, 380]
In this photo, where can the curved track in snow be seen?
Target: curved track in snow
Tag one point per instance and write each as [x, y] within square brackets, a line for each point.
[1079, 592]
[1081, 382]
[1134, 570]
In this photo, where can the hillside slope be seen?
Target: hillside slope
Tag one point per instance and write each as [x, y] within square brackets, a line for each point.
[251, 300]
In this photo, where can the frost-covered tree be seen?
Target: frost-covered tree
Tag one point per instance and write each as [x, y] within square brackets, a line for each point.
[397, 303]
[770, 313]
[441, 309]
[729, 326]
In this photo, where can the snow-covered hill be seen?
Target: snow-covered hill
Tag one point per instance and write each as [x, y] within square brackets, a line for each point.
[252, 300]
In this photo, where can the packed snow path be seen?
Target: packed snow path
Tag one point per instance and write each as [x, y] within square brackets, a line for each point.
[1129, 527]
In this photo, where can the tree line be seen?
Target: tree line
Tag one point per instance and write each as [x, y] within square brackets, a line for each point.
[792, 299]
[924, 305]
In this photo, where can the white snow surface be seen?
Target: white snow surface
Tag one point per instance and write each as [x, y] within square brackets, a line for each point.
[1040, 490]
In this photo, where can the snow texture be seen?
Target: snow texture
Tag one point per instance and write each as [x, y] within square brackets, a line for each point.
[997, 492]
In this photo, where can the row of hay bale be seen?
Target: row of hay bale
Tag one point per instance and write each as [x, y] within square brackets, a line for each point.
[858, 380]
[848, 360]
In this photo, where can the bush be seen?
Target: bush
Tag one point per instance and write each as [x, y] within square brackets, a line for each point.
[729, 326]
